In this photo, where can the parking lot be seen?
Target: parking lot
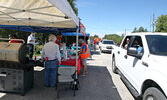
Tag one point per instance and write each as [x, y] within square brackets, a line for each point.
[104, 59]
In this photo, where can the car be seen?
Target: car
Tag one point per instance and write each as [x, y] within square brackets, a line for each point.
[106, 45]
[142, 65]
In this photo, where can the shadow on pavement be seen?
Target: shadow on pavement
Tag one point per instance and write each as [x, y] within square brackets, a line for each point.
[96, 85]
[106, 52]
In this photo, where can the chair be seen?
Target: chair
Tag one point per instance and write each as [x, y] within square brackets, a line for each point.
[65, 75]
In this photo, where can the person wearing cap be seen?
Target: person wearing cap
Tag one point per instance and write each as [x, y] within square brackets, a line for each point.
[127, 42]
[31, 43]
[51, 55]
[84, 54]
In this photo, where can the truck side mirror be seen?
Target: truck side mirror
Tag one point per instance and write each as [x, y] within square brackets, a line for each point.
[132, 51]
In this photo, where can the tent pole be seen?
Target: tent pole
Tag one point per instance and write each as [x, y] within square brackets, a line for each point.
[77, 50]
[34, 46]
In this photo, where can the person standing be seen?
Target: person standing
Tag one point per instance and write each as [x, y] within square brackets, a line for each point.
[84, 54]
[51, 54]
[127, 42]
[59, 37]
[31, 43]
[95, 43]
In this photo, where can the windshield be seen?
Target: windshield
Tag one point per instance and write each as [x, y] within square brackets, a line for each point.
[157, 44]
[108, 42]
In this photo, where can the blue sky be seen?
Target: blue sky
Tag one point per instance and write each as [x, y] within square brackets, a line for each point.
[114, 16]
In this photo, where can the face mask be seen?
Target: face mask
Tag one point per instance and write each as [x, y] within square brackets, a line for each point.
[59, 38]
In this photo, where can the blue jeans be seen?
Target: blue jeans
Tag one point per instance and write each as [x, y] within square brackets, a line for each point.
[50, 73]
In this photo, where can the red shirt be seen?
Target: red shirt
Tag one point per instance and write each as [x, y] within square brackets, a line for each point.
[57, 42]
[59, 38]
[95, 42]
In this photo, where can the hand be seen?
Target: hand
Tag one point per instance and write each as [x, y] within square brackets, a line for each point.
[59, 63]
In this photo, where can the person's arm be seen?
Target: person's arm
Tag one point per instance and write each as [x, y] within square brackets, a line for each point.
[31, 39]
[58, 54]
[42, 55]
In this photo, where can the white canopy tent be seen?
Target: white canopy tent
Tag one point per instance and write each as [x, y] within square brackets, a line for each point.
[49, 13]
[44, 13]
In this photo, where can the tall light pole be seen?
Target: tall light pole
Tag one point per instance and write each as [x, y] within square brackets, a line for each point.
[153, 22]
[150, 23]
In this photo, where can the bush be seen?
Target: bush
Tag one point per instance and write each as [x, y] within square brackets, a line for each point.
[38, 48]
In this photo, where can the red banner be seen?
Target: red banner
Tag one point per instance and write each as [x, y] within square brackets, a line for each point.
[82, 29]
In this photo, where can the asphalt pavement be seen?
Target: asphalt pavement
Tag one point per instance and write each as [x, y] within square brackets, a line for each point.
[96, 85]
[104, 59]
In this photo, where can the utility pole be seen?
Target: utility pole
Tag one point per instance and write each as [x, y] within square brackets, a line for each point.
[153, 22]
[150, 23]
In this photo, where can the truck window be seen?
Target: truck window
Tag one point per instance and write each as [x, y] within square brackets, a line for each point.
[157, 44]
[138, 44]
[126, 42]
[108, 42]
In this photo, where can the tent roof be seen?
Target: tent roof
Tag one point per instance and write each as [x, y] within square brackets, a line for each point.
[73, 34]
[38, 29]
[45, 13]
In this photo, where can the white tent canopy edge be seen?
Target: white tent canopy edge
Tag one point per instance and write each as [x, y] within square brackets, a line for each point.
[65, 7]
[46, 13]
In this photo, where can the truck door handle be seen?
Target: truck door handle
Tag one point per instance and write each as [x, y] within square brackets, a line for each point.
[118, 52]
[126, 56]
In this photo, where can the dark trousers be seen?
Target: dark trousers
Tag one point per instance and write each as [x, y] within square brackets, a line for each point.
[31, 50]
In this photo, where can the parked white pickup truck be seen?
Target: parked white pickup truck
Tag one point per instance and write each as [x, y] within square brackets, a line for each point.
[142, 65]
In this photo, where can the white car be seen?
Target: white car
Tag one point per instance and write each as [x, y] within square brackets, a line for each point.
[143, 65]
[106, 45]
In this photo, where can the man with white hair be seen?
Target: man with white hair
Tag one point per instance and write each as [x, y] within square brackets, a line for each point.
[51, 54]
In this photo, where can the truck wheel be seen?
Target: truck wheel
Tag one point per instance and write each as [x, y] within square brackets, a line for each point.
[114, 68]
[153, 94]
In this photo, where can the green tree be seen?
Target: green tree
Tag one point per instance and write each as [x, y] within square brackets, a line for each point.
[161, 25]
[96, 36]
[116, 38]
[145, 30]
[141, 29]
[73, 6]
[135, 30]
[4, 33]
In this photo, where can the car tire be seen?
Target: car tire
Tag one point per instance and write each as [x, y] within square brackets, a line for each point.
[153, 94]
[114, 68]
